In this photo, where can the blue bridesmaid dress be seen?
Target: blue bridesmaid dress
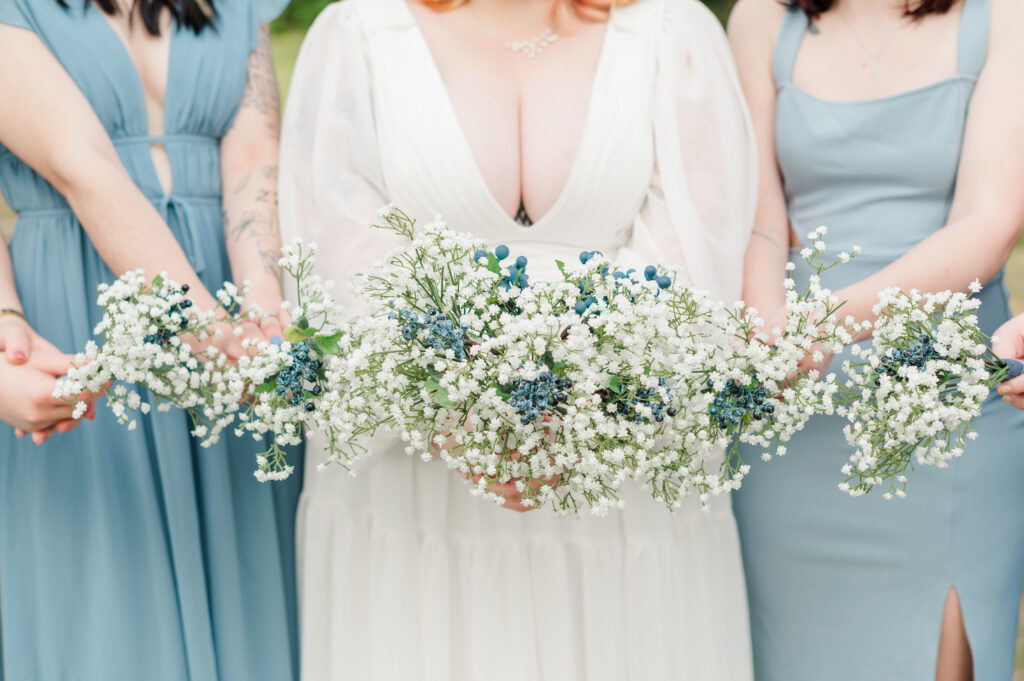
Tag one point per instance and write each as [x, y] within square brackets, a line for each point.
[137, 555]
[849, 589]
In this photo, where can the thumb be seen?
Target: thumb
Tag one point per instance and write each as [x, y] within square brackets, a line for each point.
[1011, 339]
[16, 344]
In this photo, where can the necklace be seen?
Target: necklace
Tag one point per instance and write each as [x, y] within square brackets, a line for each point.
[872, 64]
[531, 48]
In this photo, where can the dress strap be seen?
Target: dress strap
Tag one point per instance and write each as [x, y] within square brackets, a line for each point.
[974, 28]
[787, 45]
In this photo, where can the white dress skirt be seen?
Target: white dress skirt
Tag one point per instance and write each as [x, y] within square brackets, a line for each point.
[404, 575]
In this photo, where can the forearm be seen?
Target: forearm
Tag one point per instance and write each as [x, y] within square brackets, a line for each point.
[764, 270]
[969, 248]
[250, 226]
[249, 165]
[125, 228]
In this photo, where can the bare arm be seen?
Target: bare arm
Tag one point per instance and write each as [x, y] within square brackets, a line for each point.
[249, 160]
[47, 122]
[987, 215]
[752, 27]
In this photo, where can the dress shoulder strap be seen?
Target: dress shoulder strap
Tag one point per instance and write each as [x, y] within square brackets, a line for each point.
[787, 45]
[974, 29]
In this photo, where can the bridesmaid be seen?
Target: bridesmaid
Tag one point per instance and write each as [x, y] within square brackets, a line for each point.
[897, 126]
[126, 129]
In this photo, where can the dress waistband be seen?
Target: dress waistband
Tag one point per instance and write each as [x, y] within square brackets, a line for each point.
[161, 203]
[133, 140]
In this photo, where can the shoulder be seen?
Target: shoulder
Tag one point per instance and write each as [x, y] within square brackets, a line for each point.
[756, 21]
[753, 28]
[1007, 26]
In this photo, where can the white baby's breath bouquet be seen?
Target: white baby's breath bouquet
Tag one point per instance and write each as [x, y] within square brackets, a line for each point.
[912, 395]
[153, 337]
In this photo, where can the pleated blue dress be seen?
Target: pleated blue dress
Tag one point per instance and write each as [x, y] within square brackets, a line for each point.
[849, 589]
[137, 555]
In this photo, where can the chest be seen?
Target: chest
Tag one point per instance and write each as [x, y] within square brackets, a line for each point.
[844, 59]
[136, 82]
[522, 118]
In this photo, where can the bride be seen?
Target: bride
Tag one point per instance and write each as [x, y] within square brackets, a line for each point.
[551, 126]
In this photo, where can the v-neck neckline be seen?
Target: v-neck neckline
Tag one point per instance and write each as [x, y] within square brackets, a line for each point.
[133, 68]
[139, 91]
[473, 166]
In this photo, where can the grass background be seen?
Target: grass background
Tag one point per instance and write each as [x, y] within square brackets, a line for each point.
[288, 32]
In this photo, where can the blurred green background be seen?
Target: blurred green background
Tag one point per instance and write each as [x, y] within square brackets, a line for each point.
[289, 29]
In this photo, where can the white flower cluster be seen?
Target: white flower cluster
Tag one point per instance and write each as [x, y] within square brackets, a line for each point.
[914, 393]
[148, 331]
[565, 389]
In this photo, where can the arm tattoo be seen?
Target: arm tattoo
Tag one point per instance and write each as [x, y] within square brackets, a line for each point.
[250, 205]
[257, 223]
[261, 87]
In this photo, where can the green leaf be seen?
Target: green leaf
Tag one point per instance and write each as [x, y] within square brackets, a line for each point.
[614, 384]
[439, 393]
[265, 387]
[328, 345]
[303, 323]
[492, 263]
[293, 334]
[310, 332]
[561, 267]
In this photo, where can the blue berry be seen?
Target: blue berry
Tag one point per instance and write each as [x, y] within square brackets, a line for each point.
[664, 282]
[585, 257]
[521, 262]
[479, 254]
[650, 272]
[501, 252]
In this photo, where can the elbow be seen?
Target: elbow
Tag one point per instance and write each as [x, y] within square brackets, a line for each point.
[242, 156]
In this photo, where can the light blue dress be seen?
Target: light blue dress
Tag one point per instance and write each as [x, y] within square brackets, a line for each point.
[138, 556]
[850, 589]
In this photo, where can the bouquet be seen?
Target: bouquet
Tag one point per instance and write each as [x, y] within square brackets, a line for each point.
[549, 392]
[911, 397]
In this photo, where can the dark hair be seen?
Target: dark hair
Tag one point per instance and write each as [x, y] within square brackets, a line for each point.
[815, 8]
[196, 14]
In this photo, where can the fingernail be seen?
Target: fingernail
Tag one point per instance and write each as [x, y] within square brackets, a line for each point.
[276, 340]
[19, 356]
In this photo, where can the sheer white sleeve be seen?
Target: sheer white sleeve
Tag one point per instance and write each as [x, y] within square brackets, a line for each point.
[700, 207]
[331, 182]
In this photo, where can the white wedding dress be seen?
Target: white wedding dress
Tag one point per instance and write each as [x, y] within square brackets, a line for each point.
[405, 576]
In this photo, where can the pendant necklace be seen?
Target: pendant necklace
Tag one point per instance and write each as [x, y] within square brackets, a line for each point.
[872, 63]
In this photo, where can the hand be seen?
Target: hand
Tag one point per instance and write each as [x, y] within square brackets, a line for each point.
[18, 340]
[508, 491]
[27, 401]
[1011, 346]
[815, 359]
[267, 327]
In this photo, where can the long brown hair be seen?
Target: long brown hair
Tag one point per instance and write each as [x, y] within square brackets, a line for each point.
[595, 10]
[815, 8]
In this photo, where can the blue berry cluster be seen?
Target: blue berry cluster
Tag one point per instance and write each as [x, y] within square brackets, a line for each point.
[162, 336]
[626, 403]
[515, 273]
[587, 299]
[917, 355]
[531, 398]
[442, 333]
[735, 402]
[292, 379]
